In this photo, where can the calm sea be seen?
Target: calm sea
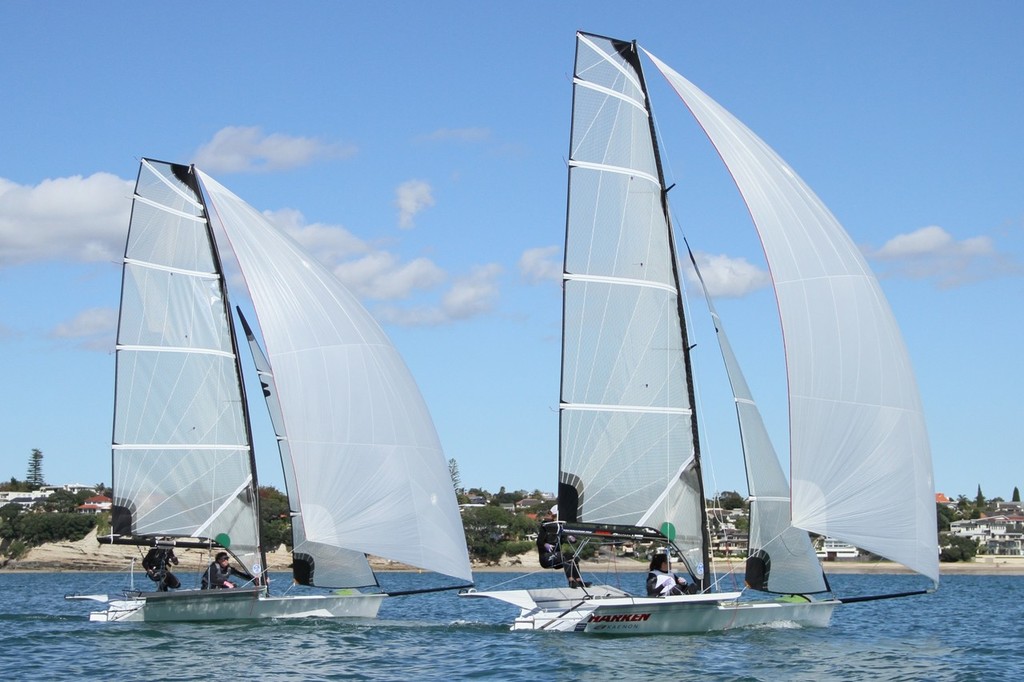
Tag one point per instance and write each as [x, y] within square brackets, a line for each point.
[971, 629]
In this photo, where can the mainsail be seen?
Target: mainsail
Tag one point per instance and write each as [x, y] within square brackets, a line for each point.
[860, 461]
[367, 470]
[628, 445]
[182, 457]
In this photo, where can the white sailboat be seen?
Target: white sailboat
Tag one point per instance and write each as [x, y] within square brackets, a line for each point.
[630, 459]
[364, 470]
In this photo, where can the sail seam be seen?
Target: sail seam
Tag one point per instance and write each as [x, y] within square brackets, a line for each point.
[595, 407]
[621, 170]
[175, 349]
[169, 268]
[167, 209]
[621, 280]
[179, 446]
[608, 91]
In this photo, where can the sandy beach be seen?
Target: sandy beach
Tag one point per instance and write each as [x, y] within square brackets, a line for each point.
[89, 555]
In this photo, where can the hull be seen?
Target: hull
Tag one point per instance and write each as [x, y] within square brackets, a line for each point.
[237, 604]
[606, 610]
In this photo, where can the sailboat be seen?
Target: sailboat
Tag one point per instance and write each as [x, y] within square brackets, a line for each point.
[629, 451]
[363, 467]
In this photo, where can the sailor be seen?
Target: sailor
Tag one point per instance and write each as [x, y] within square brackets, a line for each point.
[157, 562]
[549, 547]
[217, 574]
[661, 582]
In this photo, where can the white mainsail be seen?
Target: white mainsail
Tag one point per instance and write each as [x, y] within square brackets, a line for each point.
[182, 463]
[860, 459]
[627, 451]
[369, 472]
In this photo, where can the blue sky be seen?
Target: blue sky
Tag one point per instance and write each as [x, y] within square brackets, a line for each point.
[419, 149]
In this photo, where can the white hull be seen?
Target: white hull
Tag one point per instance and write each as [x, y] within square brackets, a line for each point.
[236, 604]
[609, 611]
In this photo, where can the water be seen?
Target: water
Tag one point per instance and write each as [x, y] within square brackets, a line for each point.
[971, 629]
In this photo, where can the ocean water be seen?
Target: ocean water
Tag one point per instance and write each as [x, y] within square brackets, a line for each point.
[971, 629]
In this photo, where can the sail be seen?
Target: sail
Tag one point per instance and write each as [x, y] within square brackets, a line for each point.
[313, 563]
[182, 462]
[627, 439]
[369, 472]
[781, 558]
[859, 455]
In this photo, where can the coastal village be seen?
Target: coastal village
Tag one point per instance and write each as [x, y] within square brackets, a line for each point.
[996, 531]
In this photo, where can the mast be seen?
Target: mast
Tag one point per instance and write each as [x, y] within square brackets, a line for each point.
[192, 180]
[705, 581]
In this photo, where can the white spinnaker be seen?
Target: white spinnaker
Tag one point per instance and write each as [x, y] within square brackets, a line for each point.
[181, 455]
[370, 474]
[861, 465]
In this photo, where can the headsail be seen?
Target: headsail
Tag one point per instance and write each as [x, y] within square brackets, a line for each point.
[628, 451]
[860, 459]
[181, 449]
[369, 472]
[313, 563]
[781, 557]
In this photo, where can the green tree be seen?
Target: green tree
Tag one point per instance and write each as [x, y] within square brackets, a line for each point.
[1016, 494]
[956, 548]
[35, 469]
[275, 518]
[62, 501]
[979, 500]
[943, 517]
[730, 499]
[453, 471]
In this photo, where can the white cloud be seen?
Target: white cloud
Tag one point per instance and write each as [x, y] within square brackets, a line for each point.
[94, 328]
[473, 294]
[380, 275]
[329, 243]
[248, 149]
[727, 277]
[469, 296]
[76, 218]
[933, 240]
[541, 264]
[932, 253]
[412, 197]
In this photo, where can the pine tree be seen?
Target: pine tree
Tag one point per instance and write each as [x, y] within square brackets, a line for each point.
[979, 501]
[453, 470]
[35, 469]
[1016, 494]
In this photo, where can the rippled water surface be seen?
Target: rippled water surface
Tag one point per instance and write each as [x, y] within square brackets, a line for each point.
[971, 629]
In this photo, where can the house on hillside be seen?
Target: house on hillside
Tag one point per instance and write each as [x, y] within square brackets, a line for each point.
[95, 505]
[1001, 535]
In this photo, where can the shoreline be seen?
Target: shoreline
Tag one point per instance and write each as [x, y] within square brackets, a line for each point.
[88, 555]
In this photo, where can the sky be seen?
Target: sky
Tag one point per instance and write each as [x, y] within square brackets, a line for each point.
[419, 150]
